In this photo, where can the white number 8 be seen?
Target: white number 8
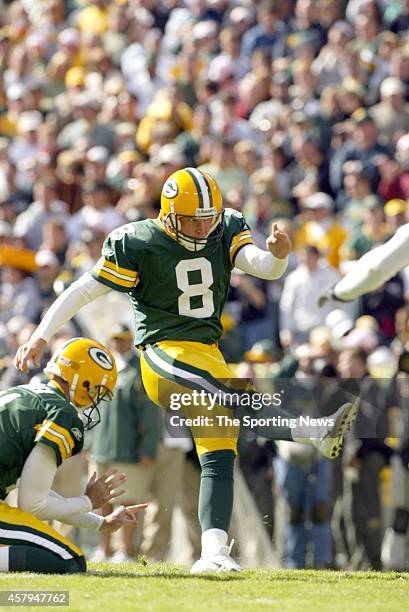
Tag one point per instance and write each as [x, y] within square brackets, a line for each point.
[192, 290]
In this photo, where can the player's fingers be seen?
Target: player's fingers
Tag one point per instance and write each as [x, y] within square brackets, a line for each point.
[129, 516]
[274, 228]
[36, 357]
[21, 360]
[93, 478]
[130, 521]
[24, 365]
[109, 473]
[113, 493]
[116, 480]
[137, 508]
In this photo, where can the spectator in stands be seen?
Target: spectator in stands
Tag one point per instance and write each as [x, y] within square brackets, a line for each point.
[46, 206]
[322, 230]
[299, 311]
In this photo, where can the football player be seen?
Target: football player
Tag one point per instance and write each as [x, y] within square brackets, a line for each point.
[41, 426]
[372, 270]
[176, 270]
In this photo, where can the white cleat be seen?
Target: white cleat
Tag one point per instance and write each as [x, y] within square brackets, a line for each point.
[220, 561]
[393, 550]
[330, 445]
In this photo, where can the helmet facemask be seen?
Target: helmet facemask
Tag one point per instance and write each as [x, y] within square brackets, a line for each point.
[191, 243]
[96, 394]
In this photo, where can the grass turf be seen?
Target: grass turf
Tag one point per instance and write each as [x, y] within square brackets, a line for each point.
[167, 588]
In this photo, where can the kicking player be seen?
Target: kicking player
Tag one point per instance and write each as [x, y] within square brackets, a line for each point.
[41, 426]
[176, 270]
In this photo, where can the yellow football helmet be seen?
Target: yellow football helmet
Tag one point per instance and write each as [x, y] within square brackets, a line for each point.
[191, 193]
[90, 371]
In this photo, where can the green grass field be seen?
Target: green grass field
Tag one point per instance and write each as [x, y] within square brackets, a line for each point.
[168, 588]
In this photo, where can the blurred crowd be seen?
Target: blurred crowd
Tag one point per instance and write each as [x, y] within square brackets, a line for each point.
[299, 109]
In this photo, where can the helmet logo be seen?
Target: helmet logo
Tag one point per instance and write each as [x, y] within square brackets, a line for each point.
[100, 357]
[170, 188]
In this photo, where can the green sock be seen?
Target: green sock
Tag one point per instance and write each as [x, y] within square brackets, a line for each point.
[216, 490]
[25, 558]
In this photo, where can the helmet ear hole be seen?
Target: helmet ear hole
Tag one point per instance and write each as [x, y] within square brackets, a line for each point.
[86, 384]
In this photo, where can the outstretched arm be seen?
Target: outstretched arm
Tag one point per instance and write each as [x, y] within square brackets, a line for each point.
[82, 292]
[373, 269]
[35, 494]
[270, 264]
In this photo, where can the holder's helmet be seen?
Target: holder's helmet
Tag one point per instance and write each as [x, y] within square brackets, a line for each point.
[90, 371]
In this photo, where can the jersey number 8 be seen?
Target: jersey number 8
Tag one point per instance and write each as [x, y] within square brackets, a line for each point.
[193, 290]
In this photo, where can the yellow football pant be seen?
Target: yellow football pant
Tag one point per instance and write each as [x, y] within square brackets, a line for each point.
[178, 367]
[19, 527]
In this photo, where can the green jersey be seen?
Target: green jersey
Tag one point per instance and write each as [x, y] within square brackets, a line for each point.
[35, 414]
[176, 294]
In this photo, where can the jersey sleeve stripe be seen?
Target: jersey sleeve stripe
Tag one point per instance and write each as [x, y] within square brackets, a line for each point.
[238, 237]
[117, 274]
[113, 266]
[245, 240]
[51, 437]
[113, 279]
[61, 430]
[239, 247]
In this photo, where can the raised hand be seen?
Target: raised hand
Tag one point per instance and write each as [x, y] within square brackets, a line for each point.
[278, 243]
[106, 488]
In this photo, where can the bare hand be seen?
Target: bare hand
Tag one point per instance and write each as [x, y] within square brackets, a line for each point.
[124, 515]
[278, 243]
[30, 351]
[106, 488]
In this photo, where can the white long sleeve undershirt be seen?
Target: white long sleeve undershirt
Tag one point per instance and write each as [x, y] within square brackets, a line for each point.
[376, 267]
[35, 494]
[250, 259]
[263, 264]
[82, 292]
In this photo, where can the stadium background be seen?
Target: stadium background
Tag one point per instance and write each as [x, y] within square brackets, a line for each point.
[300, 111]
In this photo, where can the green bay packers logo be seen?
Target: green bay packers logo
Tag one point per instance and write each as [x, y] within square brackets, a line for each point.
[170, 189]
[101, 358]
